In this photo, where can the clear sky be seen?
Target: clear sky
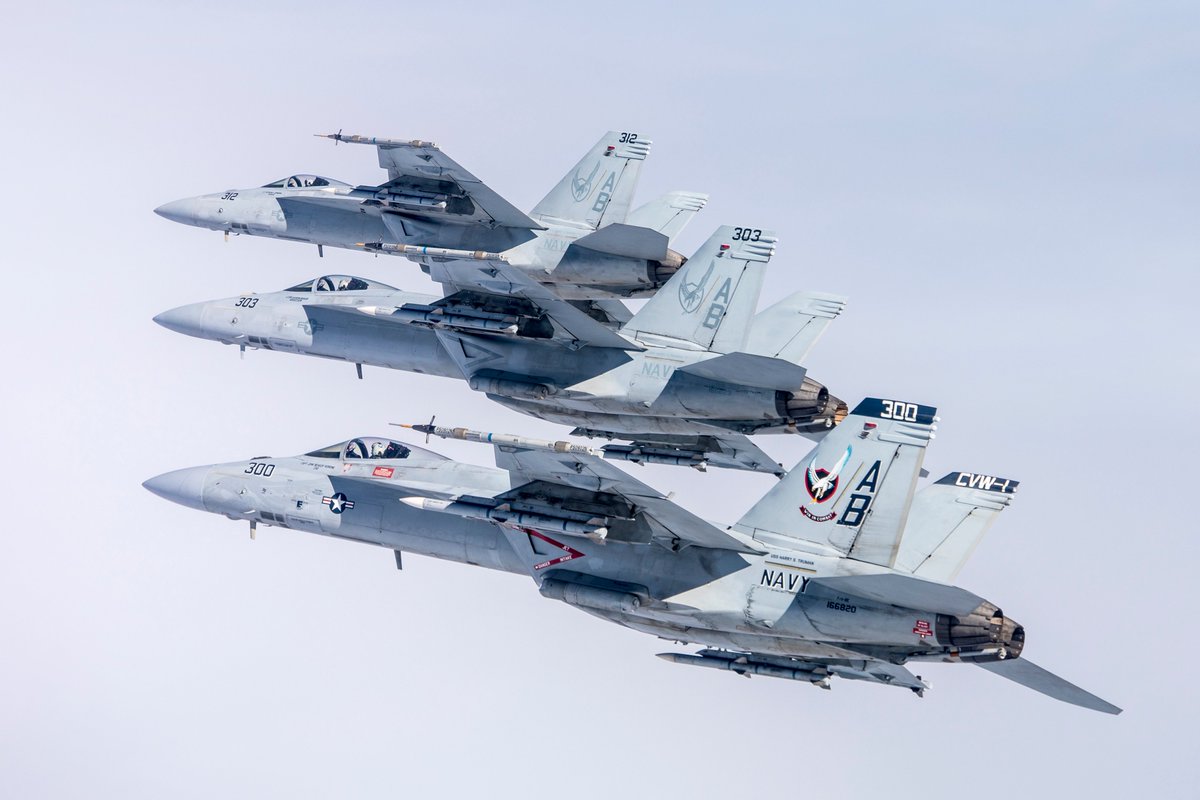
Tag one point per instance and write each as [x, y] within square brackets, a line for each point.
[1007, 192]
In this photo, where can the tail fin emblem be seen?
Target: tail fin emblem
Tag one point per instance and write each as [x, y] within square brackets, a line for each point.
[582, 187]
[690, 294]
[822, 483]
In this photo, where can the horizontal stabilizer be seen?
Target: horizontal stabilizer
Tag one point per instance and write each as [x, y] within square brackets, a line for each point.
[791, 327]
[1032, 676]
[627, 241]
[901, 590]
[749, 370]
[668, 214]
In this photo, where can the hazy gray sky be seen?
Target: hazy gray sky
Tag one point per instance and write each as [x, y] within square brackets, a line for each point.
[1008, 193]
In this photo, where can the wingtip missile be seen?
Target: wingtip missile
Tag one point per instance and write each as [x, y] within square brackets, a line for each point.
[503, 439]
[421, 251]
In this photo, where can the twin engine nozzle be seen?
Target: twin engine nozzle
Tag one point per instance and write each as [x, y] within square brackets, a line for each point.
[983, 635]
[811, 403]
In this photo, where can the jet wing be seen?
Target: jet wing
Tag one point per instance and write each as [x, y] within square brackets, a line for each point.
[562, 476]
[726, 450]
[424, 181]
[498, 277]
[816, 670]
[493, 298]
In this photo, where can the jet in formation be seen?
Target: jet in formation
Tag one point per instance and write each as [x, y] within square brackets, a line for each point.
[842, 569]
[684, 380]
[581, 239]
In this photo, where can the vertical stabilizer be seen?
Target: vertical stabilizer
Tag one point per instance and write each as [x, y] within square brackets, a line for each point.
[710, 303]
[853, 492]
[948, 520]
[668, 214]
[599, 189]
[791, 327]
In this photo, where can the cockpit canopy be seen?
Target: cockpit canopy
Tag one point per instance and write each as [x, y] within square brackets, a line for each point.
[364, 447]
[374, 448]
[338, 283]
[303, 182]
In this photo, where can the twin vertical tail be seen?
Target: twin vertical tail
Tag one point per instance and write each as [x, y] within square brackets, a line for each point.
[948, 520]
[668, 214]
[710, 303]
[599, 190]
[853, 492]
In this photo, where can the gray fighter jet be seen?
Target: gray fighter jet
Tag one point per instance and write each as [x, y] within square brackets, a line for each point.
[581, 238]
[683, 380]
[836, 572]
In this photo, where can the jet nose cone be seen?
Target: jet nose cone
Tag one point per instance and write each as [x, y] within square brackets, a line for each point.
[179, 211]
[187, 319]
[183, 486]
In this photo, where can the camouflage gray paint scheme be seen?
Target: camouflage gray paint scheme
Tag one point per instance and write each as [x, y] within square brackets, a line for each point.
[684, 380]
[835, 572]
[430, 201]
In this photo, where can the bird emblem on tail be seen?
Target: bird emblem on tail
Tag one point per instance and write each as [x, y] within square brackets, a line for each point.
[822, 483]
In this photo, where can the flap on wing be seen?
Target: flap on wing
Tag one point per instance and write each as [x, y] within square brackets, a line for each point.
[678, 526]
[750, 370]
[628, 241]
[901, 590]
[1030, 675]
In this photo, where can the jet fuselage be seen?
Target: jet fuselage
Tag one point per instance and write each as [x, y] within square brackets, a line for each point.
[762, 602]
[634, 391]
[332, 215]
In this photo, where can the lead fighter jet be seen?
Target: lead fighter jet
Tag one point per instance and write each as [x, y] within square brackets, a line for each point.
[808, 585]
[580, 239]
[684, 380]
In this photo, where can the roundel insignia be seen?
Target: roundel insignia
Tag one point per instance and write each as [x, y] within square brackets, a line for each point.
[338, 503]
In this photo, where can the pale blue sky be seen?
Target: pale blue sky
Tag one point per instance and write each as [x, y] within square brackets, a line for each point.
[1008, 194]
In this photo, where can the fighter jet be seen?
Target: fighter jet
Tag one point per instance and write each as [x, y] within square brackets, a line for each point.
[682, 381]
[808, 585]
[581, 238]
